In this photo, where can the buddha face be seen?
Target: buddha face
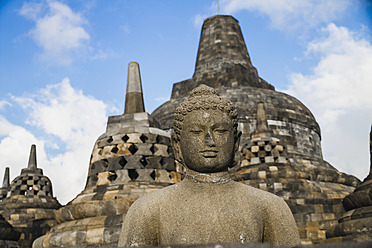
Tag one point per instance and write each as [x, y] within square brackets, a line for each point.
[207, 142]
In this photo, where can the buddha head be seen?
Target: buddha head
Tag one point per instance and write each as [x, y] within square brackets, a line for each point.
[206, 137]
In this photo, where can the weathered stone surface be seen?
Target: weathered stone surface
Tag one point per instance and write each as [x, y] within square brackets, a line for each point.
[132, 158]
[283, 133]
[5, 186]
[134, 97]
[8, 235]
[205, 140]
[356, 223]
[29, 206]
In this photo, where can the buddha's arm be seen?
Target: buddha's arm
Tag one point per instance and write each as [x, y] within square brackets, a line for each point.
[140, 225]
[280, 226]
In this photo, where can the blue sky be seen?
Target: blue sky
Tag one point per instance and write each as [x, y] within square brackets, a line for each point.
[63, 67]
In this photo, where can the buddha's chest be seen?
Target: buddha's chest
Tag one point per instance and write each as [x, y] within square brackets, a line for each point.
[210, 220]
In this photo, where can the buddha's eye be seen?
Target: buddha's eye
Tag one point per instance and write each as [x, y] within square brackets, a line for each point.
[221, 130]
[194, 131]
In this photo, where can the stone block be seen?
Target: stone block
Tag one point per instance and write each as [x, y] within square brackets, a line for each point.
[269, 159]
[261, 174]
[168, 164]
[244, 163]
[141, 129]
[94, 236]
[144, 175]
[161, 150]
[122, 177]
[282, 160]
[278, 187]
[275, 153]
[263, 186]
[115, 163]
[272, 168]
[104, 178]
[162, 176]
[154, 162]
[68, 238]
[279, 148]
[133, 162]
[107, 151]
[55, 239]
[112, 194]
[255, 149]
[111, 234]
[134, 138]
[300, 201]
[144, 149]
[123, 149]
[255, 161]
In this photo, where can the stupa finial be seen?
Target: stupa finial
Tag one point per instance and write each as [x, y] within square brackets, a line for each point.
[6, 181]
[370, 155]
[134, 96]
[261, 117]
[32, 164]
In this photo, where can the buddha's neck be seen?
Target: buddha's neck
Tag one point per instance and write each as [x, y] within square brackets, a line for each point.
[212, 178]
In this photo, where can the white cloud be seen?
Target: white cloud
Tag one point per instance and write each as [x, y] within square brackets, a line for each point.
[62, 111]
[291, 14]
[31, 10]
[4, 103]
[15, 147]
[59, 32]
[338, 91]
[211, 10]
[70, 120]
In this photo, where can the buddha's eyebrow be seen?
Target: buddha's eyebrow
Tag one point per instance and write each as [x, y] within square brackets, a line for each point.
[221, 125]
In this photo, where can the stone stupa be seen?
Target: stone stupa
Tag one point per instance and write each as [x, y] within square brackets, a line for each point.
[132, 158]
[30, 206]
[280, 144]
[6, 185]
[8, 235]
[356, 223]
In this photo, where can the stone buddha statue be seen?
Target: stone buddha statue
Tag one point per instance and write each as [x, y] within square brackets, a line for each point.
[207, 207]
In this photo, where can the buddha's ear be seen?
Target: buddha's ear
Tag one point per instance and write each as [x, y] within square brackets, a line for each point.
[237, 141]
[236, 149]
[176, 148]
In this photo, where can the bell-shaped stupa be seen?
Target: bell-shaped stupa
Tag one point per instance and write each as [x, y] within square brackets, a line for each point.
[8, 235]
[280, 144]
[132, 158]
[30, 206]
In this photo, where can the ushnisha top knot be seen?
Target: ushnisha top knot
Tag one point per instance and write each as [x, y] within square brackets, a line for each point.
[203, 90]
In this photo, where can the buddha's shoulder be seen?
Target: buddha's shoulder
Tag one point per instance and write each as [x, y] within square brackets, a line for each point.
[158, 196]
[260, 196]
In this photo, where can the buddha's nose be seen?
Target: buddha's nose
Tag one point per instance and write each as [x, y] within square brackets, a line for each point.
[209, 139]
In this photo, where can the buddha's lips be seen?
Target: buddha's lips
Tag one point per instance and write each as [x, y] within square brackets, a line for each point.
[209, 153]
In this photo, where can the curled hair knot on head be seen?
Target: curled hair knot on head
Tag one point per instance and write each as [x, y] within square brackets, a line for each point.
[204, 97]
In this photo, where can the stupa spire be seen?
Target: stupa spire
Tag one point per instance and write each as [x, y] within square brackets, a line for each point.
[221, 44]
[6, 181]
[32, 164]
[134, 96]
[370, 156]
[261, 117]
